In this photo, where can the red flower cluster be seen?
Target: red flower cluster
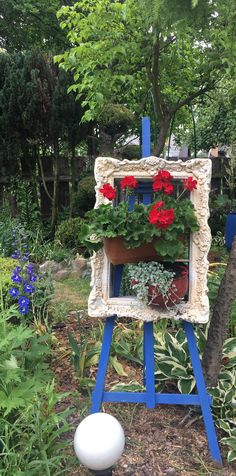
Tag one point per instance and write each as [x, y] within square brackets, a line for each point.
[161, 182]
[128, 182]
[160, 217]
[108, 191]
[189, 184]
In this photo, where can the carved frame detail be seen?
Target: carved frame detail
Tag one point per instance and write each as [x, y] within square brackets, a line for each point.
[196, 309]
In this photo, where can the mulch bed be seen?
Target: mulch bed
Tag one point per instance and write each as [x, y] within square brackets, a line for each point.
[156, 444]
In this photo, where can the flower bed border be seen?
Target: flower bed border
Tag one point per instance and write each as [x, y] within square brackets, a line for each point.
[196, 309]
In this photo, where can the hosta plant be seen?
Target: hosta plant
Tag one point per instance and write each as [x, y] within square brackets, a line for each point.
[173, 365]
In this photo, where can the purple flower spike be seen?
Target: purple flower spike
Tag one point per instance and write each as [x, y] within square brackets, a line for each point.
[16, 278]
[13, 292]
[33, 278]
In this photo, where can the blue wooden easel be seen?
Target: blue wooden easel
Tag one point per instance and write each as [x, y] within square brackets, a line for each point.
[150, 397]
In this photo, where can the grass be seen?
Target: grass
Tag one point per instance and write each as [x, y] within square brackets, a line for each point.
[72, 293]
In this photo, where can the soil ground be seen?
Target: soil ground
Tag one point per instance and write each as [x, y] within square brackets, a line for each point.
[156, 443]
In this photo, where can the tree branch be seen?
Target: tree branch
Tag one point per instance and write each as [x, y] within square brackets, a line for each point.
[190, 97]
[43, 178]
[169, 42]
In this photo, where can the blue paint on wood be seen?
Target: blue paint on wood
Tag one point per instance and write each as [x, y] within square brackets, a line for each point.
[230, 230]
[149, 364]
[146, 137]
[97, 395]
[202, 392]
[160, 398]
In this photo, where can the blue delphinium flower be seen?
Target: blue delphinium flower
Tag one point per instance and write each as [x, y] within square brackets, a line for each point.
[16, 278]
[23, 301]
[23, 275]
[28, 288]
[16, 254]
[17, 270]
[24, 310]
[14, 292]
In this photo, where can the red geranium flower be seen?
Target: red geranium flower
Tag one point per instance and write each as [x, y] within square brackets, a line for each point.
[108, 191]
[163, 175]
[129, 182]
[157, 185]
[161, 182]
[168, 188]
[160, 217]
[189, 184]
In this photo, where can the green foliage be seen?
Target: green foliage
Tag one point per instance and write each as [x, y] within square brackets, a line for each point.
[23, 370]
[120, 52]
[6, 267]
[142, 275]
[37, 25]
[131, 152]
[30, 425]
[31, 441]
[116, 119]
[172, 363]
[224, 398]
[108, 221]
[220, 206]
[7, 225]
[27, 210]
[68, 232]
[84, 199]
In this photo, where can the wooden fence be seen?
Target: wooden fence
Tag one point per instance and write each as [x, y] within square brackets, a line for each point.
[85, 164]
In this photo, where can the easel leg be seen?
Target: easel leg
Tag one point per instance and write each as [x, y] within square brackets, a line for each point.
[148, 363]
[103, 363]
[202, 392]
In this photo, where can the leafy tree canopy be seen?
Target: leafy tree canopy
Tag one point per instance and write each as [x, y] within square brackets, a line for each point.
[123, 52]
[26, 24]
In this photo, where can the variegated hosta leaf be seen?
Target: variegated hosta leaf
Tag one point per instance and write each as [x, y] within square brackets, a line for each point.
[231, 456]
[230, 346]
[186, 386]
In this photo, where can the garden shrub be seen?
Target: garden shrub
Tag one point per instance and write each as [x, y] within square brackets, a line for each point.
[131, 152]
[67, 234]
[6, 267]
[29, 425]
[84, 199]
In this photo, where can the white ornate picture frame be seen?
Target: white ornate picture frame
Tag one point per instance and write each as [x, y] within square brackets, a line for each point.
[196, 308]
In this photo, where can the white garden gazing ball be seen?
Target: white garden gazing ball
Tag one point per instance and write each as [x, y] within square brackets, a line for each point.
[99, 441]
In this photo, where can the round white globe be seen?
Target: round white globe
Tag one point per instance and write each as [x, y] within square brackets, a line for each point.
[99, 441]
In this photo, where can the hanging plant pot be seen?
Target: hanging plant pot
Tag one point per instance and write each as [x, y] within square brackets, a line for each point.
[177, 291]
[117, 252]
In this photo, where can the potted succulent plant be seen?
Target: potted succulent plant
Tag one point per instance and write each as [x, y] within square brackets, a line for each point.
[145, 231]
[157, 284]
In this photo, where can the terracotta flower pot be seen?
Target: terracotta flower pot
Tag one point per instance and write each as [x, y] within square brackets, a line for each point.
[117, 253]
[177, 291]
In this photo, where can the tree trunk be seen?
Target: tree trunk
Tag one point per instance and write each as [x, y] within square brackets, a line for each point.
[56, 172]
[106, 145]
[220, 319]
[161, 139]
